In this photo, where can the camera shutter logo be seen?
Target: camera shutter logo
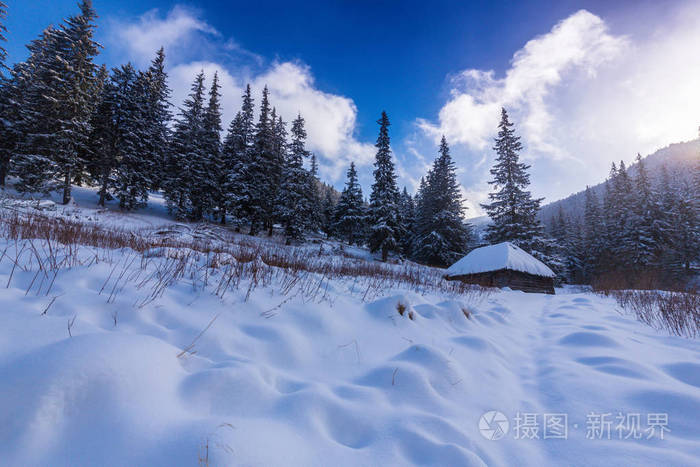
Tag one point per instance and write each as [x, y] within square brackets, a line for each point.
[493, 425]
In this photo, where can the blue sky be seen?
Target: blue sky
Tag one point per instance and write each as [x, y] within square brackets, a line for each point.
[586, 82]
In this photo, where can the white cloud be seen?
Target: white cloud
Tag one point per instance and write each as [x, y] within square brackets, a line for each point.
[192, 45]
[579, 43]
[179, 30]
[581, 96]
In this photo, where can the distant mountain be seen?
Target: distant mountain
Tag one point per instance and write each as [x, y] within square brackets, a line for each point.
[679, 159]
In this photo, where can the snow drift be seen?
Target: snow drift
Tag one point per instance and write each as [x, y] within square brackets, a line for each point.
[93, 374]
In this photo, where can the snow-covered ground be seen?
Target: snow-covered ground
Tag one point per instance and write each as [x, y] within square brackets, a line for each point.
[97, 369]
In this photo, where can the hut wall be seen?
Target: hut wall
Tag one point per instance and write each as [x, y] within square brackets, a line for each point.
[516, 280]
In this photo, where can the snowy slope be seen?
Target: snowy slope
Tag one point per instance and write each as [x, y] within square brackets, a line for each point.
[339, 379]
[503, 255]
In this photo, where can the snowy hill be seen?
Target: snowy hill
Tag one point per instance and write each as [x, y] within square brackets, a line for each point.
[678, 159]
[173, 356]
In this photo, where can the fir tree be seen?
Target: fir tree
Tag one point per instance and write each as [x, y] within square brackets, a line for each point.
[38, 119]
[11, 92]
[293, 204]
[384, 227]
[441, 234]
[238, 154]
[593, 238]
[262, 160]
[349, 212]
[209, 193]
[640, 237]
[313, 194]
[512, 210]
[186, 153]
[157, 117]
[132, 175]
[327, 211]
[407, 218]
[75, 88]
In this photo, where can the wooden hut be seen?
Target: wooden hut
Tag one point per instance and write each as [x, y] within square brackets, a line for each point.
[503, 265]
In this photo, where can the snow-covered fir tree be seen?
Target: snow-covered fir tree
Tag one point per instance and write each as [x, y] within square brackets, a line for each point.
[385, 231]
[131, 181]
[313, 194]
[275, 168]
[262, 161]
[327, 211]
[593, 235]
[407, 218]
[513, 210]
[156, 119]
[639, 233]
[349, 215]
[237, 154]
[293, 203]
[186, 151]
[11, 94]
[210, 195]
[38, 119]
[441, 234]
[74, 90]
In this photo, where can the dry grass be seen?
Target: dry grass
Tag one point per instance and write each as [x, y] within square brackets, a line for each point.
[675, 312]
[155, 260]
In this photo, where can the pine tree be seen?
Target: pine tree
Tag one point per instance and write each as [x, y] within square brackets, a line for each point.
[38, 113]
[441, 234]
[407, 219]
[313, 194]
[327, 211]
[186, 153]
[104, 139]
[593, 235]
[209, 194]
[261, 162]
[384, 227]
[513, 211]
[641, 239]
[117, 141]
[687, 226]
[157, 117]
[237, 154]
[349, 213]
[11, 92]
[132, 178]
[75, 88]
[293, 204]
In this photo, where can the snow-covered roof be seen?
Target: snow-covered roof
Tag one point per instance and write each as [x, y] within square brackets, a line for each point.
[500, 256]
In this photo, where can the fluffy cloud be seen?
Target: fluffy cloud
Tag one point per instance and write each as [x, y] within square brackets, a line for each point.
[581, 96]
[192, 45]
[580, 43]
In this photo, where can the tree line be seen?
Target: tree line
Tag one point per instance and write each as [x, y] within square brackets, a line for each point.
[67, 121]
[645, 231]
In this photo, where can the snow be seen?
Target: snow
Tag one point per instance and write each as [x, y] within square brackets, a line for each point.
[503, 255]
[335, 377]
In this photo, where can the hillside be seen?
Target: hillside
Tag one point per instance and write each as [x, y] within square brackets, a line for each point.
[221, 349]
[678, 159]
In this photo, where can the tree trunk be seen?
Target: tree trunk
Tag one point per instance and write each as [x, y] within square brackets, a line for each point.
[3, 173]
[66, 188]
[385, 253]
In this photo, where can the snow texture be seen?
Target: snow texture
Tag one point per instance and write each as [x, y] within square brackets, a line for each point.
[503, 255]
[93, 374]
